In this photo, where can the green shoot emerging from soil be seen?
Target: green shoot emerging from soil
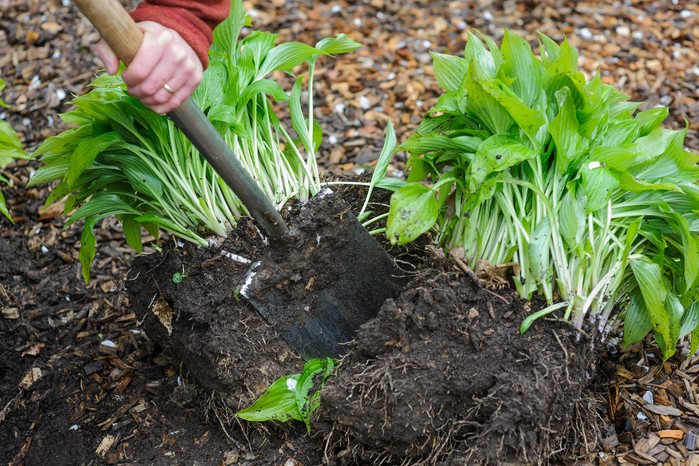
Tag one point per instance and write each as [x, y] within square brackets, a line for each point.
[123, 160]
[295, 396]
[524, 160]
[10, 150]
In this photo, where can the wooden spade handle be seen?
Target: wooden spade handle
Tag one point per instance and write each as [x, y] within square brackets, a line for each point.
[115, 25]
[119, 30]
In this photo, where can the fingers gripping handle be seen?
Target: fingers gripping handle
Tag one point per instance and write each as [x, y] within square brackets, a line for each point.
[115, 25]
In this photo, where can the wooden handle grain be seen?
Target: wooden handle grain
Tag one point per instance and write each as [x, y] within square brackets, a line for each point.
[115, 25]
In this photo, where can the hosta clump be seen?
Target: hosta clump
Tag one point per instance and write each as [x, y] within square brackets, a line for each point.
[10, 150]
[524, 160]
[122, 159]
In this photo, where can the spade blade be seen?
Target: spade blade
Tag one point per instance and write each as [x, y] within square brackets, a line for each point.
[323, 281]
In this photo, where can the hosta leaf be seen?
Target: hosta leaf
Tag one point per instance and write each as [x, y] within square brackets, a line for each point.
[3, 208]
[651, 119]
[413, 211]
[292, 397]
[277, 403]
[648, 275]
[690, 320]
[449, 70]
[88, 247]
[342, 43]
[132, 231]
[564, 130]
[259, 44]
[567, 60]
[297, 119]
[615, 158]
[103, 204]
[675, 312]
[309, 386]
[521, 64]
[572, 220]
[550, 49]
[539, 252]
[480, 60]
[628, 183]
[419, 144]
[528, 119]
[420, 169]
[597, 186]
[162, 222]
[485, 107]
[618, 133]
[85, 153]
[636, 321]
[694, 345]
[654, 144]
[382, 163]
[495, 154]
[263, 86]
[286, 56]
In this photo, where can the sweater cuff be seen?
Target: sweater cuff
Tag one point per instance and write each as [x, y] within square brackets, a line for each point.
[192, 29]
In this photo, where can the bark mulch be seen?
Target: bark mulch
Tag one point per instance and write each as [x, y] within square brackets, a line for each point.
[74, 365]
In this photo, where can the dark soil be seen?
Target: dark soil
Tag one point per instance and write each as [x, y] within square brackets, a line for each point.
[443, 376]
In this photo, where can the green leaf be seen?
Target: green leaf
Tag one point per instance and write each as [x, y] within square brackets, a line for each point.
[564, 129]
[292, 397]
[85, 153]
[690, 320]
[102, 204]
[636, 321]
[309, 387]
[3, 208]
[132, 232]
[495, 154]
[481, 62]
[337, 45]
[287, 56]
[598, 184]
[88, 247]
[297, 118]
[648, 275]
[449, 70]
[413, 211]
[675, 312]
[277, 403]
[521, 64]
[419, 144]
[263, 86]
[382, 163]
[571, 220]
[651, 119]
[539, 253]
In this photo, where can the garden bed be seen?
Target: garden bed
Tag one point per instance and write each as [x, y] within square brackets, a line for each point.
[81, 383]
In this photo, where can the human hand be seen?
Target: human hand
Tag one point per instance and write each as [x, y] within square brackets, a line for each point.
[164, 72]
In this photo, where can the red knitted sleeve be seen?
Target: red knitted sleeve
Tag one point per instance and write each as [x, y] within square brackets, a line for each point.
[193, 20]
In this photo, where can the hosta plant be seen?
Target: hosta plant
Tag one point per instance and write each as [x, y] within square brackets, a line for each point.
[121, 159]
[10, 150]
[295, 396]
[524, 160]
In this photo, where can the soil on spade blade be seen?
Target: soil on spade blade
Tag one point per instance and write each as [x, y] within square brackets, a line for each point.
[440, 376]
